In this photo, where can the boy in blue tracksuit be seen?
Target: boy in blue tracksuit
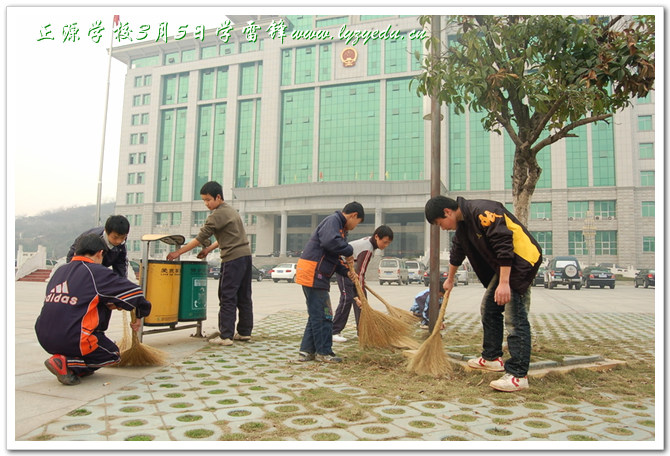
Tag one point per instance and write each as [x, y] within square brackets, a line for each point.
[319, 260]
[76, 312]
[420, 306]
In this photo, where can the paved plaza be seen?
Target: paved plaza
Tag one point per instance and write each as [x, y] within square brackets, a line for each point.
[207, 393]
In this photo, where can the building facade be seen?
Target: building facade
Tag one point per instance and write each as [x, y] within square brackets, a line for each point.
[296, 127]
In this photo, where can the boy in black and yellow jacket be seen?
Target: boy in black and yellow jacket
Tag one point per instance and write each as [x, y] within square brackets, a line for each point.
[319, 260]
[505, 257]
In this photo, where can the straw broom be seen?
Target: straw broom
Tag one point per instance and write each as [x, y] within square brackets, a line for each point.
[430, 358]
[140, 354]
[401, 314]
[378, 330]
[125, 341]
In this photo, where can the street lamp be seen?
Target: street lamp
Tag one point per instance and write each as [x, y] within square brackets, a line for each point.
[589, 233]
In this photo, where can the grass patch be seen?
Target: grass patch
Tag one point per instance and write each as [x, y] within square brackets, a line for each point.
[254, 426]
[199, 433]
[140, 438]
[326, 436]
[79, 412]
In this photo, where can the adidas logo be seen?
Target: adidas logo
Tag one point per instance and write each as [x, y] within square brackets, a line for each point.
[60, 293]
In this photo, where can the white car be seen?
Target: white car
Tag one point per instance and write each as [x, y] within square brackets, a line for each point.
[284, 271]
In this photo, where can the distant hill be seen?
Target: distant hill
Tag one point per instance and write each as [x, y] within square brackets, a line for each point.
[56, 230]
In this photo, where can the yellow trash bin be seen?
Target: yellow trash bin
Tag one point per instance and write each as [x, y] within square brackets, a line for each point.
[163, 292]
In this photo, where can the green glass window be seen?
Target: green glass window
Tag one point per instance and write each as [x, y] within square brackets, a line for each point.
[188, 56]
[301, 22]
[404, 132]
[645, 99]
[480, 154]
[199, 217]
[647, 179]
[134, 138]
[606, 242]
[135, 119]
[332, 21]
[137, 100]
[145, 62]
[142, 157]
[208, 52]
[247, 145]
[646, 150]
[286, 67]
[577, 209]
[304, 64]
[183, 88]
[544, 238]
[207, 84]
[325, 62]
[648, 244]
[172, 137]
[577, 165]
[604, 173]
[648, 209]
[227, 49]
[210, 145]
[139, 81]
[146, 99]
[371, 17]
[540, 210]
[644, 123]
[457, 152]
[577, 243]
[132, 159]
[374, 58]
[147, 80]
[130, 198]
[297, 137]
[249, 78]
[222, 82]
[395, 59]
[171, 58]
[132, 179]
[139, 199]
[349, 132]
[144, 120]
[604, 209]
[169, 89]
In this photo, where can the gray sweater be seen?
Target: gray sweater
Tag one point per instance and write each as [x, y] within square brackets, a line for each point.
[225, 224]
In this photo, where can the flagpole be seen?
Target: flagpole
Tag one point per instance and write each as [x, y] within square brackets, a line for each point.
[98, 219]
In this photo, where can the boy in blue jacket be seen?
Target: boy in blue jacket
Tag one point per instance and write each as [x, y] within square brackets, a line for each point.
[77, 308]
[319, 260]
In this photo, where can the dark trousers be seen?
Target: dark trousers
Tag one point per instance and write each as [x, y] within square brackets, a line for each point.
[318, 336]
[347, 295]
[235, 297]
[107, 354]
[513, 317]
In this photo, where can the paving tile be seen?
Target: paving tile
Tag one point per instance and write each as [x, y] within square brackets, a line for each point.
[494, 431]
[377, 431]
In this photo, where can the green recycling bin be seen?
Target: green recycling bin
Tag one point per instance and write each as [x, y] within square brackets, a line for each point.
[193, 291]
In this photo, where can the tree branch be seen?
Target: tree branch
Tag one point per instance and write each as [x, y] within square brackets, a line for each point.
[562, 133]
[539, 128]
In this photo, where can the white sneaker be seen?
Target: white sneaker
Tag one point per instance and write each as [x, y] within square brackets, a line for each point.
[496, 365]
[338, 338]
[510, 383]
[219, 341]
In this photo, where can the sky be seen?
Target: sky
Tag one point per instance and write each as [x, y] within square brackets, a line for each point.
[56, 100]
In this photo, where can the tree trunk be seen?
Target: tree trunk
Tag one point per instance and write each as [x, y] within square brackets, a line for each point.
[525, 175]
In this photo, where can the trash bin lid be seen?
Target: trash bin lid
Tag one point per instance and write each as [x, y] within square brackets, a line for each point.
[170, 239]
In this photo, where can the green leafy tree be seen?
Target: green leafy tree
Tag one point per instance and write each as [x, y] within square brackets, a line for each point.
[539, 77]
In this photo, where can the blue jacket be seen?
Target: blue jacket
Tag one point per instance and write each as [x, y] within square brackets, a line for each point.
[321, 256]
[75, 310]
[116, 257]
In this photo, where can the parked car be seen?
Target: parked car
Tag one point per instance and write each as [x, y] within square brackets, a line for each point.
[645, 277]
[284, 271]
[598, 277]
[135, 265]
[415, 270]
[393, 270]
[461, 275]
[563, 270]
[256, 274]
[266, 271]
[214, 269]
[539, 277]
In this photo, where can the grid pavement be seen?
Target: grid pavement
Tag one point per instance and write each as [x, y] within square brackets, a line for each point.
[256, 391]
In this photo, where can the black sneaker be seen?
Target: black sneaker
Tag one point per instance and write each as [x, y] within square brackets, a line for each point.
[57, 365]
[332, 358]
[304, 356]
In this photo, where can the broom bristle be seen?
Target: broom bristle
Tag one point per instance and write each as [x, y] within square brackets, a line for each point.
[376, 329]
[124, 343]
[430, 358]
[401, 314]
[139, 355]
[406, 342]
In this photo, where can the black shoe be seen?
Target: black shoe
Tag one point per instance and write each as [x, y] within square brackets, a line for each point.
[57, 365]
[304, 356]
[332, 358]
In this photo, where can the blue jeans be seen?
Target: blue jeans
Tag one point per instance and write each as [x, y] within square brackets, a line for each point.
[318, 337]
[512, 316]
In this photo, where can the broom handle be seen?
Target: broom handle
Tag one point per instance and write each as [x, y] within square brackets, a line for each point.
[440, 316]
[377, 296]
[359, 290]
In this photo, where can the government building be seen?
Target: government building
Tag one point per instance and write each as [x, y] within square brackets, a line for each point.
[296, 126]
